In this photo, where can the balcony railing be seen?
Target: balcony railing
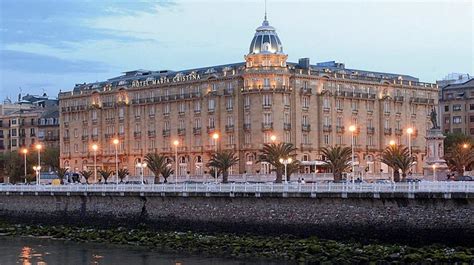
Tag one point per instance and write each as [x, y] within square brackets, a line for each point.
[211, 129]
[398, 131]
[286, 126]
[306, 147]
[327, 128]
[166, 132]
[247, 126]
[305, 127]
[267, 126]
[137, 134]
[229, 128]
[340, 129]
[370, 130]
[197, 130]
[387, 131]
[152, 133]
[181, 132]
[306, 90]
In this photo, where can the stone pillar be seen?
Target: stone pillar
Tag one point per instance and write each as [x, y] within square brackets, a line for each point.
[434, 157]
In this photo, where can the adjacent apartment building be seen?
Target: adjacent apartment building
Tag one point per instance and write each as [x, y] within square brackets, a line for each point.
[30, 120]
[457, 107]
[245, 103]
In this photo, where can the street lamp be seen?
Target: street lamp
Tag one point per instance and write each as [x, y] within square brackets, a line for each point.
[392, 142]
[37, 169]
[273, 138]
[94, 148]
[38, 147]
[352, 129]
[25, 151]
[434, 172]
[142, 166]
[465, 146]
[285, 162]
[176, 143]
[215, 136]
[116, 142]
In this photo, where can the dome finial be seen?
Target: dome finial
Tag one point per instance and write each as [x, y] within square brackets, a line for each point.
[265, 10]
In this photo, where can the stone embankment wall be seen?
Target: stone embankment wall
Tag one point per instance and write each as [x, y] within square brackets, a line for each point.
[444, 220]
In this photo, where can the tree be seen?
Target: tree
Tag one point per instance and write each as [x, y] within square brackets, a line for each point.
[50, 157]
[156, 163]
[61, 174]
[459, 157]
[87, 174]
[398, 158]
[338, 159]
[166, 172]
[105, 174]
[454, 139]
[271, 153]
[13, 165]
[122, 173]
[223, 161]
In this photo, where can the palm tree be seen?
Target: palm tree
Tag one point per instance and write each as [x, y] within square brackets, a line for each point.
[156, 163]
[122, 173]
[398, 158]
[62, 173]
[459, 157]
[338, 159]
[86, 174]
[105, 174]
[222, 161]
[272, 153]
[166, 172]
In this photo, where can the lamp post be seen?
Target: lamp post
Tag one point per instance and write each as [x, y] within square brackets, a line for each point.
[142, 166]
[464, 146]
[176, 143]
[215, 136]
[392, 142]
[273, 138]
[37, 169]
[352, 129]
[285, 162]
[38, 147]
[409, 132]
[25, 151]
[434, 172]
[116, 142]
[94, 148]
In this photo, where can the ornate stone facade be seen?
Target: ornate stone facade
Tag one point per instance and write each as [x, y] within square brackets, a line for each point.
[246, 103]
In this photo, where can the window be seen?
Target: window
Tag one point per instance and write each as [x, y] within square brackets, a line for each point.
[326, 139]
[471, 118]
[197, 123]
[137, 111]
[326, 121]
[266, 82]
[386, 124]
[211, 104]
[339, 104]
[229, 103]
[339, 121]
[267, 118]
[247, 138]
[446, 108]
[471, 106]
[231, 139]
[286, 100]
[286, 117]
[166, 109]
[457, 107]
[354, 105]
[181, 124]
[287, 137]
[247, 118]
[370, 106]
[446, 120]
[370, 140]
[267, 100]
[339, 139]
[267, 137]
[305, 102]
[121, 113]
[246, 101]
[326, 104]
[182, 107]
[94, 115]
[304, 120]
[471, 131]
[211, 122]
[197, 106]
[386, 106]
[151, 110]
[457, 119]
[305, 138]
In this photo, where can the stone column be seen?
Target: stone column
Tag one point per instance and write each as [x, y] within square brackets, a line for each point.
[434, 160]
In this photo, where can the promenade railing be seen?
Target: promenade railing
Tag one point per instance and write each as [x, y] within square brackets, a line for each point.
[415, 187]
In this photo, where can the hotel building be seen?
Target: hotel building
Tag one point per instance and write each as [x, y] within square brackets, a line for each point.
[246, 103]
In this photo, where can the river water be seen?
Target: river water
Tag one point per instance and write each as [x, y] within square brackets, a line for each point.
[43, 251]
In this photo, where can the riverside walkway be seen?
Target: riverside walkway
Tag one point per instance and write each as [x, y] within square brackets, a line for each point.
[251, 189]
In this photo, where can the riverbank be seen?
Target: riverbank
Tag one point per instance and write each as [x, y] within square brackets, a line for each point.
[301, 250]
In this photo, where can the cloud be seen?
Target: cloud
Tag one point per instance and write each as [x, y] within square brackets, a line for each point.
[34, 63]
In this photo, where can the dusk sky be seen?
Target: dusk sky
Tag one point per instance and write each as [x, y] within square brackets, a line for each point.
[52, 45]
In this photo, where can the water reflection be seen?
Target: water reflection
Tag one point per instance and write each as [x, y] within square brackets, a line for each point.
[41, 251]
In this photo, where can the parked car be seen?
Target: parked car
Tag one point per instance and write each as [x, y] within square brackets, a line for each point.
[464, 178]
[410, 180]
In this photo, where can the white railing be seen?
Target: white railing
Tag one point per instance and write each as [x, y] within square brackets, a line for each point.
[430, 187]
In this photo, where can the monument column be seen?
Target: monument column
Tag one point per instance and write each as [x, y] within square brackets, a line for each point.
[435, 167]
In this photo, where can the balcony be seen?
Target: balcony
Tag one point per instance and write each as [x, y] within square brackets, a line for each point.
[166, 132]
[181, 132]
[137, 134]
[109, 135]
[229, 146]
[211, 129]
[197, 130]
[398, 131]
[85, 137]
[247, 127]
[340, 129]
[306, 147]
[229, 109]
[109, 120]
[229, 128]
[370, 130]
[387, 131]
[152, 133]
[398, 99]
[95, 137]
[327, 128]
[66, 138]
[266, 126]
[181, 113]
[305, 127]
[286, 126]
[326, 109]
[306, 91]
[196, 149]
[267, 106]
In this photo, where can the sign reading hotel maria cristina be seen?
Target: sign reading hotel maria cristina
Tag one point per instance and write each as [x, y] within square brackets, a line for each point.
[165, 79]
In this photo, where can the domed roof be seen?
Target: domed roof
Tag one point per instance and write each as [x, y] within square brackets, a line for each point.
[265, 40]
